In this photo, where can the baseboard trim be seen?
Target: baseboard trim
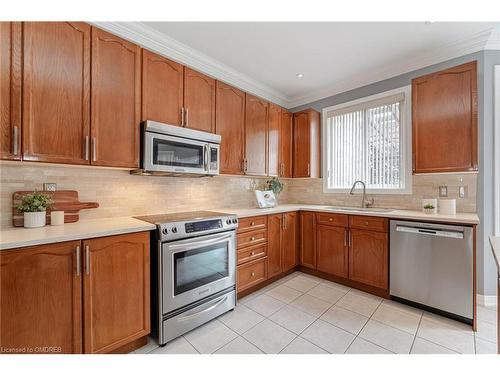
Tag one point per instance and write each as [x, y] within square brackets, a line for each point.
[486, 300]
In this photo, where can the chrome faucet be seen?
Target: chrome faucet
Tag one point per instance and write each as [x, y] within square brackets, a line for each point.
[364, 202]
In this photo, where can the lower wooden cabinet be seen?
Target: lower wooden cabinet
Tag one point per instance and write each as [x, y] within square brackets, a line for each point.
[41, 299]
[251, 274]
[332, 250]
[307, 251]
[69, 297]
[369, 258]
[281, 243]
[116, 291]
[289, 241]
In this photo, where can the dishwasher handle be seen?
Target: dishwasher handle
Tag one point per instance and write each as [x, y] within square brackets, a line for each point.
[430, 232]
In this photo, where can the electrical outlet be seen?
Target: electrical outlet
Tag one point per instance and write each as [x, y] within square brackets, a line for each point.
[462, 191]
[443, 191]
[49, 186]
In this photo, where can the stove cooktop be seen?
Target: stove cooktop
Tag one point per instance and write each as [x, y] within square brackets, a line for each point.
[181, 216]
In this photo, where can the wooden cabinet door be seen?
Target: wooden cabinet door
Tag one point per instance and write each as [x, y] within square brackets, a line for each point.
[369, 258]
[256, 118]
[116, 94]
[41, 296]
[274, 241]
[199, 101]
[10, 90]
[301, 145]
[230, 125]
[332, 250]
[289, 241]
[162, 89]
[286, 144]
[273, 144]
[116, 291]
[56, 92]
[307, 249]
[445, 120]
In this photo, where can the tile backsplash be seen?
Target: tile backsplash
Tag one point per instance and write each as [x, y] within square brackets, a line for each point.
[121, 194]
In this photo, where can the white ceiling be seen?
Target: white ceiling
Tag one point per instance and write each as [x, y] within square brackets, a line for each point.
[333, 56]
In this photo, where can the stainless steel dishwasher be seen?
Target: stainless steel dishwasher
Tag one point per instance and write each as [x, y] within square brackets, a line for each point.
[431, 266]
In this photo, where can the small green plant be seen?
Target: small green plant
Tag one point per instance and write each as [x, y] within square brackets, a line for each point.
[429, 206]
[36, 202]
[275, 185]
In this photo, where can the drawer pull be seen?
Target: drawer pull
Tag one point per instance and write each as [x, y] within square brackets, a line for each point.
[366, 222]
[330, 219]
[252, 274]
[252, 253]
[252, 223]
[252, 238]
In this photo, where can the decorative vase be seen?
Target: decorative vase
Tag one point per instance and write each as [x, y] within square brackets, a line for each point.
[429, 210]
[34, 219]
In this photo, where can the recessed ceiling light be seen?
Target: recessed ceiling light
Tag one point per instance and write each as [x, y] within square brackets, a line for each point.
[299, 75]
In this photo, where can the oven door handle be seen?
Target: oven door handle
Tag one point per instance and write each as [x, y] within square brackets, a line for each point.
[197, 314]
[188, 245]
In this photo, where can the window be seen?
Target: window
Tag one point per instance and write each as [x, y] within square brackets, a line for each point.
[369, 140]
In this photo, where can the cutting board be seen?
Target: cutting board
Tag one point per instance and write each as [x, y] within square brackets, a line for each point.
[63, 200]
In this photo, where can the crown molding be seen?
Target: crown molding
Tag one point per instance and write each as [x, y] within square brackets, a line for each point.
[162, 44]
[487, 39]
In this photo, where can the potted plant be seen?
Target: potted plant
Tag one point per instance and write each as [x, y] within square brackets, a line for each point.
[34, 207]
[429, 208]
[275, 185]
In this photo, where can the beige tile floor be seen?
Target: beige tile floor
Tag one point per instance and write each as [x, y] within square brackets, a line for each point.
[302, 314]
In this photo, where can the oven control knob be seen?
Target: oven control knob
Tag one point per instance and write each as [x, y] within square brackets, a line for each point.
[235, 221]
[174, 230]
[228, 221]
[165, 231]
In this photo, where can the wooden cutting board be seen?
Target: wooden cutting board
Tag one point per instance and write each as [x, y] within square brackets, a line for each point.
[63, 200]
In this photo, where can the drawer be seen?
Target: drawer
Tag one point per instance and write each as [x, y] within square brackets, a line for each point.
[252, 273]
[252, 223]
[369, 222]
[337, 220]
[258, 237]
[250, 253]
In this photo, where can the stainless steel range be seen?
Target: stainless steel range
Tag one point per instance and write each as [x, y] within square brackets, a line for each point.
[193, 270]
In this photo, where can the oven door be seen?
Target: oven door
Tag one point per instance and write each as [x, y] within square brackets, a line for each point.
[195, 268]
[165, 153]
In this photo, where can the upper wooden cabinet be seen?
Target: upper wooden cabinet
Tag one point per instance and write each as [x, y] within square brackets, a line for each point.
[306, 144]
[116, 95]
[199, 101]
[162, 89]
[41, 297]
[116, 291]
[230, 125]
[286, 144]
[445, 120]
[56, 92]
[307, 251]
[256, 125]
[10, 90]
[274, 128]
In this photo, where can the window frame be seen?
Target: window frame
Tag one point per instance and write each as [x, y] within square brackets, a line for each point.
[405, 144]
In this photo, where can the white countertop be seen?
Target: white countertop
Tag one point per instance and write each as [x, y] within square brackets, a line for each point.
[20, 237]
[495, 247]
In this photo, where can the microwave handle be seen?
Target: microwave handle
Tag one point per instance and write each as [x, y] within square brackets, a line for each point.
[206, 164]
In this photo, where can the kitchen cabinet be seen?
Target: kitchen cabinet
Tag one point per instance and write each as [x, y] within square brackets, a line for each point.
[332, 250]
[41, 297]
[199, 101]
[10, 90]
[289, 241]
[162, 89]
[116, 291]
[274, 244]
[56, 92]
[230, 125]
[256, 127]
[273, 144]
[306, 144]
[444, 110]
[115, 96]
[307, 252]
[251, 274]
[369, 258]
[286, 144]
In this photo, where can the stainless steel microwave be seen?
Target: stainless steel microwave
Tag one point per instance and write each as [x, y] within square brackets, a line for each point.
[176, 151]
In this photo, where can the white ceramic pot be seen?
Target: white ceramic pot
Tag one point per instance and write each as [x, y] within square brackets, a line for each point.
[429, 210]
[34, 219]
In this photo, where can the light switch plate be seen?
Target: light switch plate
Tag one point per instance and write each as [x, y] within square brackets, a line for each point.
[443, 191]
[49, 186]
[462, 191]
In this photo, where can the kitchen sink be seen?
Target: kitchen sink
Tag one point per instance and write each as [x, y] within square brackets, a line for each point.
[368, 209]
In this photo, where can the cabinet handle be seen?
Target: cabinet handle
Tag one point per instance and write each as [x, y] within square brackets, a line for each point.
[308, 170]
[252, 274]
[94, 152]
[245, 166]
[86, 148]
[252, 223]
[182, 116]
[252, 238]
[15, 140]
[187, 117]
[252, 253]
[330, 219]
[345, 237]
[87, 260]
[284, 221]
[350, 239]
[78, 261]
